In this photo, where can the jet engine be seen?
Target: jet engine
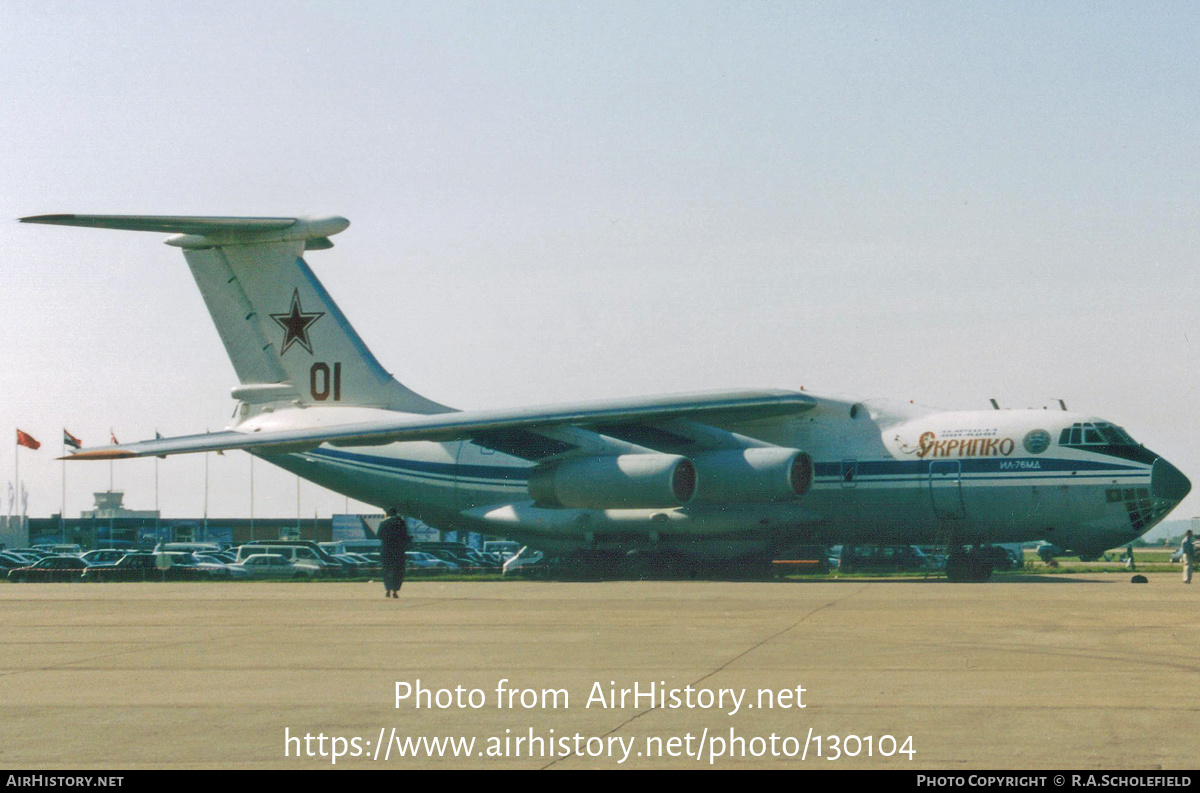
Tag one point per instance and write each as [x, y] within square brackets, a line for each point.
[770, 473]
[627, 481]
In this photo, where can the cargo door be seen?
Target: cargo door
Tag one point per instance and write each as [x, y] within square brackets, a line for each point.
[945, 489]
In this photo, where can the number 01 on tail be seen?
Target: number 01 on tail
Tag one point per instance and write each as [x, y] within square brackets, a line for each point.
[324, 382]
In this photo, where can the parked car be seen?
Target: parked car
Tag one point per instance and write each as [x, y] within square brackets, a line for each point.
[10, 560]
[484, 560]
[52, 568]
[62, 549]
[359, 565]
[33, 553]
[857, 558]
[419, 560]
[220, 557]
[304, 554]
[103, 556]
[349, 567]
[459, 562]
[146, 567]
[317, 550]
[273, 565]
[188, 547]
[433, 554]
[459, 555]
[501, 548]
[212, 569]
[219, 566]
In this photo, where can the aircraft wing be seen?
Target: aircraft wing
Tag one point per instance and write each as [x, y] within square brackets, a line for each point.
[708, 408]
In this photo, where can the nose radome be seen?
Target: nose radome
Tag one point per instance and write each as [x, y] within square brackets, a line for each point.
[1167, 481]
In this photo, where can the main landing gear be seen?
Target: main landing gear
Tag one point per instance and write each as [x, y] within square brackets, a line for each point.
[964, 565]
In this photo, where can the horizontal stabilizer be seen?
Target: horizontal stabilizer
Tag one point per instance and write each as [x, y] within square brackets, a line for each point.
[202, 232]
[170, 224]
[725, 406]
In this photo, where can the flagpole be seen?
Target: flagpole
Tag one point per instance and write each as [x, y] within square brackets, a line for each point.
[252, 498]
[206, 496]
[17, 477]
[62, 510]
[157, 515]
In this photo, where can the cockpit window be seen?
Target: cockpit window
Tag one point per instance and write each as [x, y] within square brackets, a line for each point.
[1098, 433]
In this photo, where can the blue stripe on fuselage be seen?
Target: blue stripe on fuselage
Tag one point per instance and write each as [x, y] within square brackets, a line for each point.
[1007, 468]
[973, 465]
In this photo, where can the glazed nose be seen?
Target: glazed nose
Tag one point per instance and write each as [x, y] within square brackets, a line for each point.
[1167, 481]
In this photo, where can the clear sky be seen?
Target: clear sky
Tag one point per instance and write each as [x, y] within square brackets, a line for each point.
[555, 201]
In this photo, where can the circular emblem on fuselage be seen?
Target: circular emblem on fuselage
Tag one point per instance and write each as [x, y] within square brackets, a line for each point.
[1037, 441]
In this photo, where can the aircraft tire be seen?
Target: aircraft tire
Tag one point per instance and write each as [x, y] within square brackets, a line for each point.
[956, 566]
[962, 566]
[981, 570]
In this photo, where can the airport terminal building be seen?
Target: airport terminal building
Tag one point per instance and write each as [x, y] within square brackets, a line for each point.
[109, 524]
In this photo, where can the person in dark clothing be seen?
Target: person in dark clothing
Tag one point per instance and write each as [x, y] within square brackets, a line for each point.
[394, 543]
[1187, 555]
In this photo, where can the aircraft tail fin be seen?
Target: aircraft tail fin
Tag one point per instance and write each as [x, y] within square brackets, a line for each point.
[286, 337]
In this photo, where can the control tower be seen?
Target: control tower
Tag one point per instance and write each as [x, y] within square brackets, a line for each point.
[109, 504]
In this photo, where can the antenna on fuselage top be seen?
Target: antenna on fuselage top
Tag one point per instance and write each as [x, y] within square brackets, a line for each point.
[995, 404]
[1062, 404]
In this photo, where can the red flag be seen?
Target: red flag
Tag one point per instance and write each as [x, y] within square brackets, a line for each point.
[71, 440]
[25, 439]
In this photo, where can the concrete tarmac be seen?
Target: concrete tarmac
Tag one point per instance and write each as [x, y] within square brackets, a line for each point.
[1079, 671]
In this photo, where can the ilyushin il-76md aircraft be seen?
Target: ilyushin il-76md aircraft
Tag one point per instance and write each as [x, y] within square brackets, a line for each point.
[729, 475]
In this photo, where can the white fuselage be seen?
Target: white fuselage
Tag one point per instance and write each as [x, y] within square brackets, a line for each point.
[884, 474]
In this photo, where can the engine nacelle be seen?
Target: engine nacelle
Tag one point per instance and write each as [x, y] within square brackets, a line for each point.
[763, 474]
[627, 481]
